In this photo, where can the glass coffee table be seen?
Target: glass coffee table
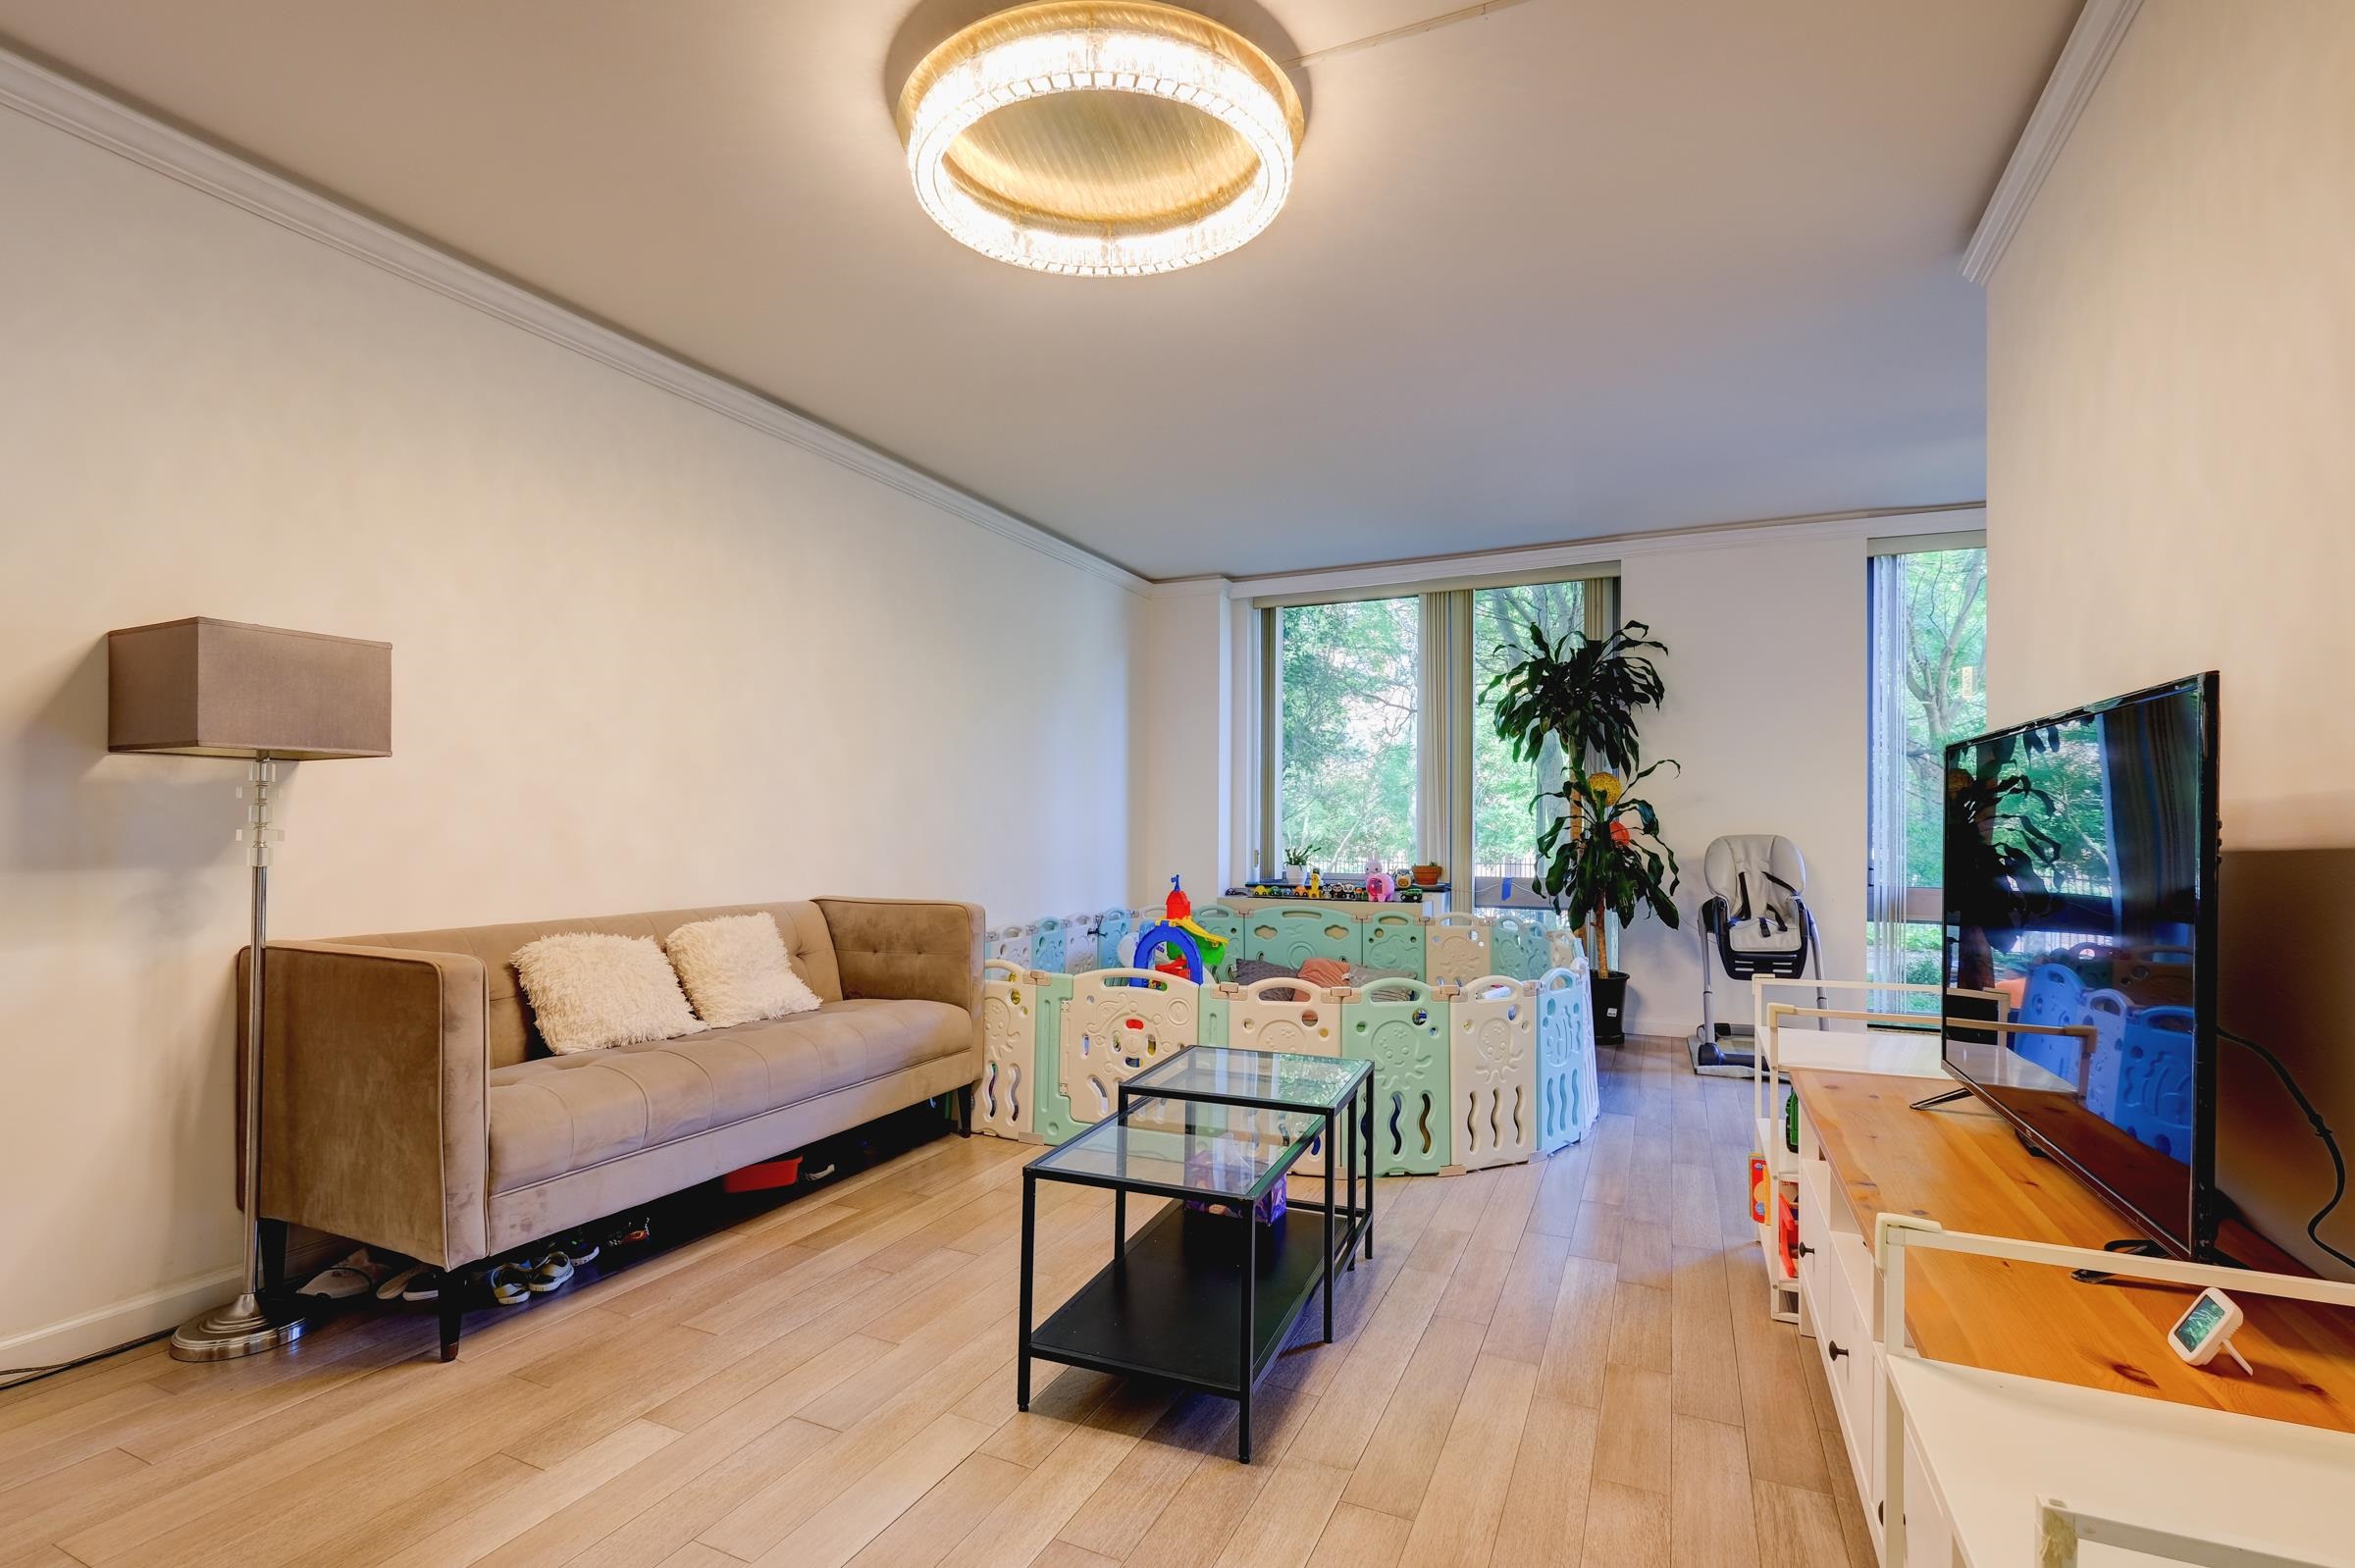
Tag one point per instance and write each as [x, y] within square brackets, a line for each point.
[1207, 1291]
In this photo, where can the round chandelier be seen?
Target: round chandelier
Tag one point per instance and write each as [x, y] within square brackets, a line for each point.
[1100, 140]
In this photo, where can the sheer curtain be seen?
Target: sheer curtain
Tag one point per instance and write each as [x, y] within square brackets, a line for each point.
[1886, 858]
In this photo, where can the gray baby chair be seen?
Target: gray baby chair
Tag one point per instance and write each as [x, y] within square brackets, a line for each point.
[1756, 923]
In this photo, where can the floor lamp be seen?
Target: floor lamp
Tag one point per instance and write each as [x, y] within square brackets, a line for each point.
[211, 688]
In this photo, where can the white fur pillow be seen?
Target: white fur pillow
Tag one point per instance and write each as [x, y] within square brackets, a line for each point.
[736, 970]
[589, 991]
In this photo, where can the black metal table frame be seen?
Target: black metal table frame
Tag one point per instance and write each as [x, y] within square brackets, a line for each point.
[1358, 1226]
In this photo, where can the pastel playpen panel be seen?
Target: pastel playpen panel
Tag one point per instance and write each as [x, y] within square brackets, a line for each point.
[1009, 944]
[1009, 1051]
[1564, 948]
[1051, 1116]
[1284, 1014]
[1079, 951]
[1492, 1073]
[1402, 1026]
[1456, 948]
[1569, 1094]
[1049, 946]
[1292, 935]
[1517, 947]
[1116, 1023]
[1393, 940]
[1112, 926]
[1226, 922]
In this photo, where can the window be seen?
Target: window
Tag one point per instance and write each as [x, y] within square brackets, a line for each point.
[1929, 686]
[1504, 822]
[1380, 745]
[1350, 695]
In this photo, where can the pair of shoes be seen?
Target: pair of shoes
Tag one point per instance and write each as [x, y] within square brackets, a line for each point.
[417, 1282]
[517, 1280]
[628, 1231]
[581, 1247]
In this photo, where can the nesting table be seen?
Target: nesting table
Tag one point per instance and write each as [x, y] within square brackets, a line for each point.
[1207, 1291]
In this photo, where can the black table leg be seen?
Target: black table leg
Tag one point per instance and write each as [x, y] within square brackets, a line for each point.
[1369, 1104]
[1242, 1420]
[1353, 1180]
[1330, 1151]
[1021, 1358]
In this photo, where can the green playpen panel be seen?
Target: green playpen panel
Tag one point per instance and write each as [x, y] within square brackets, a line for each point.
[1051, 1108]
[1293, 934]
[1227, 923]
[1403, 1028]
[1393, 940]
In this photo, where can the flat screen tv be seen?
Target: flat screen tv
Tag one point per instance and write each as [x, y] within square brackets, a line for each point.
[2081, 897]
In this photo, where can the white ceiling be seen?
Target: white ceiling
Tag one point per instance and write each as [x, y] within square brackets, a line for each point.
[1573, 267]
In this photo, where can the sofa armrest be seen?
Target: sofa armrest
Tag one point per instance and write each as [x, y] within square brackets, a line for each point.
[908, 950]
[375, 1120]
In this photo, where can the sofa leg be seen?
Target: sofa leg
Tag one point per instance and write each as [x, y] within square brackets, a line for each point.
[272, 1234]
[453, 1315]
[964, 1112]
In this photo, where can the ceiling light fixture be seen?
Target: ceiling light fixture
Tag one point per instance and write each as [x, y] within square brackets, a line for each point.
[1100, 140]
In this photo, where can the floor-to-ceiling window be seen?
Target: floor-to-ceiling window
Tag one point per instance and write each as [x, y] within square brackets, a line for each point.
[1380, 746]
[1506, 812]
[1349, 693]
[1929, 686]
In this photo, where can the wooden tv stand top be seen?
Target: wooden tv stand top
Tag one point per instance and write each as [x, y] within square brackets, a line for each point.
[1962, 1166]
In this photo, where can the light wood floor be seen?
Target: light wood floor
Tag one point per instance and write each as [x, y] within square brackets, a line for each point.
[1562, 1362]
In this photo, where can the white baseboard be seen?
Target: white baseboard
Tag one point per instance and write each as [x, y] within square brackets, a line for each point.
[103, 1328]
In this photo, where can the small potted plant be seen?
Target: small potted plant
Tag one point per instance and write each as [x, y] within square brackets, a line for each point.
[1599, 850]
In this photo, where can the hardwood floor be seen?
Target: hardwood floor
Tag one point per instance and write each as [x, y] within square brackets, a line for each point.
[1547, 1363]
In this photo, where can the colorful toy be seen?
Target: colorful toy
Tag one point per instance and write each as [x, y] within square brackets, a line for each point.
[1199, 951]
[1380, 886]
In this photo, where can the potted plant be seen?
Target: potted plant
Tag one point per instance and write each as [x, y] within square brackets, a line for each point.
[1599, 851]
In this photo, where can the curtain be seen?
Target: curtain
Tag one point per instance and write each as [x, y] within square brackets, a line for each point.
[1886, 861]
[1444, 750]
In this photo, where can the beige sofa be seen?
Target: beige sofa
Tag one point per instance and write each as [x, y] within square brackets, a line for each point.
[409, 1103]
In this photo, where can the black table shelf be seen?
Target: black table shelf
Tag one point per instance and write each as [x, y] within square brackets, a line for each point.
[1169, 1308]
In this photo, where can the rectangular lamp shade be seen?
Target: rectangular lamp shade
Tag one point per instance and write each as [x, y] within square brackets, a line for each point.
[211, 688]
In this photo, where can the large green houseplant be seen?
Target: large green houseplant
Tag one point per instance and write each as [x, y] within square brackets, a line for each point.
[1598, 847]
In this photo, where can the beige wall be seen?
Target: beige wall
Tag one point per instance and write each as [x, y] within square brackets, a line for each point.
[2170, 474]
[643, 656]
[1767, 673]
[2171, 488]
[1181, 722]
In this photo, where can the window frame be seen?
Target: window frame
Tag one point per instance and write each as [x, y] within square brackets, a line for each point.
[1447, 706]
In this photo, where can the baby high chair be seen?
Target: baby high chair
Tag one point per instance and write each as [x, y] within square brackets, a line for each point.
[1756, 923]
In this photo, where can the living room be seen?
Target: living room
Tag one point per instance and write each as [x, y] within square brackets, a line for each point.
[731, 677]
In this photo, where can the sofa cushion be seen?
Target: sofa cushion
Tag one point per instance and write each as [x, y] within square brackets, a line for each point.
[555, 1115]
[735, 971]
[589, 990]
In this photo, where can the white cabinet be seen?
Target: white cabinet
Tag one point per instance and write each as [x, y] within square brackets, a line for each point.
[1839, 1291]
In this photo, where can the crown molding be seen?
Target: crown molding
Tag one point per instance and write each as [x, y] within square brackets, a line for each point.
[2100, 29]
[1606, 551]
[57, 100]
[1191, 588]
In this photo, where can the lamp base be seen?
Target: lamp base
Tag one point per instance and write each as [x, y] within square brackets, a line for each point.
[246, 1327]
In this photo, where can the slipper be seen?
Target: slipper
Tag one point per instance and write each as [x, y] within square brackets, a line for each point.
[396, 1288]
[555, 1273]
[510, 1284]
[355, 1276]
[425, 1286]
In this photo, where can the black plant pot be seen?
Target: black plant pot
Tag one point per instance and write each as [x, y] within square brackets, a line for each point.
[1609, 993]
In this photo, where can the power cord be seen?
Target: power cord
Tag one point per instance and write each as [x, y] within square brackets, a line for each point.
[2321, 1131]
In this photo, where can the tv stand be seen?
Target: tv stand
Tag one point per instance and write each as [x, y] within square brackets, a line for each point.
[1937, 1100]
[1863, 1153]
